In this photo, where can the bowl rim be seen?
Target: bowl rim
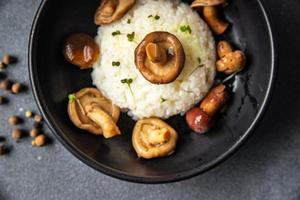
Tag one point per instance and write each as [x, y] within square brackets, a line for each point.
[151, 179]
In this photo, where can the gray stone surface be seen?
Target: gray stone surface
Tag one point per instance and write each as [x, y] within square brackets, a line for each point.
[266, 167]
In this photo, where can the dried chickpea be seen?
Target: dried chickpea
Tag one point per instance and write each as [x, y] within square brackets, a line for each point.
[28, 114]
[39, 141]
[16, 88]
[34, 132]
[7, 59]
[13, 120]
[5, 84]
[16, 134]
[38, 118]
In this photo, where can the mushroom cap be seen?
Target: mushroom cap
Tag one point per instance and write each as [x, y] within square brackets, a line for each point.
[112, 10]
[160, 73]
[81, 50]
[146, 146]
[90, 96]
[204, 3]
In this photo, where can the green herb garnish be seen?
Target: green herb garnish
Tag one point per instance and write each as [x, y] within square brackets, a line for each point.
[116, 63]
[162, 100]
[186, 29]
[199, 60]
[116, 33]
[128, 21]
[199, 66]
[156, 17]
[128, 82]
[130, 36]
[72, 98]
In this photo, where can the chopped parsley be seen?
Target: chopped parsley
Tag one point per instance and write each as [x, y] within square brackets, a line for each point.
[115, 63]
[186, 29]
[128, 21]
[128, 82]
[116, 33]
[199, 60]
[130, 36]
[156, 17]
[162, 100]
[72, 98]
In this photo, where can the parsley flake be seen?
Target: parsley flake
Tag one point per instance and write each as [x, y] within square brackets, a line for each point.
[128, 82]
[128, 21]
[156, 17]
[72, 98]
[116, 33]
[186, 29]
[162, 100]
[115, 63]
[130, 36]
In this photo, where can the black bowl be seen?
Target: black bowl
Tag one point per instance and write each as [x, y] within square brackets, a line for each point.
[53, 79]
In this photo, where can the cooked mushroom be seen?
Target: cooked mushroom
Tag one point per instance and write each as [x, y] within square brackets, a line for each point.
[230, 61]
[204, 3]
[102, 119]
[210, 15]
[215, 100]
[77, 109]
[153, 138]
[112, 10]
[200, 119]
[160, 57]
[81, 50]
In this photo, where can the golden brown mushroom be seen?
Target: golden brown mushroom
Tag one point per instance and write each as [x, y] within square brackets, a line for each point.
[200, 119]
[204, 3]
[210, 15]
[153, 138]
[230, 61]
[160, 57]
[215, 100]
[102, 119]
[79, 109]
[112, 10]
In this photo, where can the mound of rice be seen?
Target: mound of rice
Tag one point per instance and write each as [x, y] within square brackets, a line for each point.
[141, 98]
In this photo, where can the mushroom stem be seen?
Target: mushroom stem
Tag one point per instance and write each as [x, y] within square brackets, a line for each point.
[156, 53]
[102, 119]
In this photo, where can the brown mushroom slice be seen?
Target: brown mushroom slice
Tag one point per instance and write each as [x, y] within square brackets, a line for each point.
[112, 10]
[78, 114]
[102, 119]
[153, 138]
[160, 57]
[204, 3]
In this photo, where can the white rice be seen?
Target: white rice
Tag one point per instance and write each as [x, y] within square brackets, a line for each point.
[147, 99]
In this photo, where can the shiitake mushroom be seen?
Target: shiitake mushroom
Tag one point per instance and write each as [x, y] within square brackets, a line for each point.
[160, 57]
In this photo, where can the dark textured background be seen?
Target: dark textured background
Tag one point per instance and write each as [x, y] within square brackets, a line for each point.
[266, 167]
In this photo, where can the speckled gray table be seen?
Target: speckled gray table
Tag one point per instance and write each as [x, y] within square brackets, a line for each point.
[266, 167]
